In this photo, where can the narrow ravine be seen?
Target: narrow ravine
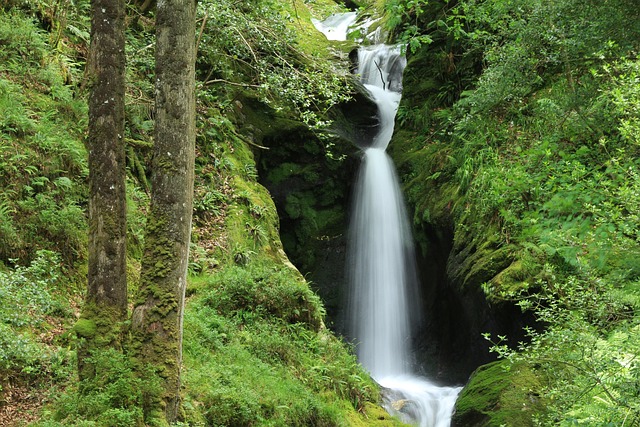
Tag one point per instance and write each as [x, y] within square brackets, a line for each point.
[381, 260]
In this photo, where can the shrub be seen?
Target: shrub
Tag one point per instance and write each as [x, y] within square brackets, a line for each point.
[264, 291]
[26, 293]
[113, 397]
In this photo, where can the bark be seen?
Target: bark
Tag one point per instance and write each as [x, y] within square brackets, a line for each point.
[157, 317]
[106, 300]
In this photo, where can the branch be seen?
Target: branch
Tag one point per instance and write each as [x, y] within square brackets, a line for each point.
[384, 84]
[255, 58]
[210, 82]
[256, 145]
[204, 22]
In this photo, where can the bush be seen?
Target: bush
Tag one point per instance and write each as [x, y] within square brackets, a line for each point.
[26, 293]
[113, 397]
[262, 292]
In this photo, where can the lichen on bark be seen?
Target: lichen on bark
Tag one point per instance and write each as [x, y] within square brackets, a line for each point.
[106, 300]
[157, 316]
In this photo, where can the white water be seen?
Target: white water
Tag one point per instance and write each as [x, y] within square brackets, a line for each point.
[336, 26]
[383, 298]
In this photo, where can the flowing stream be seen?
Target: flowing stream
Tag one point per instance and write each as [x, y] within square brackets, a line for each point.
[383, 303]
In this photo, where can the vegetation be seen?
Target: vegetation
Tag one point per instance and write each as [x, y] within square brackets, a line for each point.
[524, 140]
[263, 359]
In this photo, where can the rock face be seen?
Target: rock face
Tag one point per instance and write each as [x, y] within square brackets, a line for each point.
[311, 184]
[310, 189]
[458, 252]
[356, 121]
[312, 193]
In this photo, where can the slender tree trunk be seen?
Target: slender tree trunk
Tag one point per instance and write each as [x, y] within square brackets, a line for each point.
[157, 317]
[106, 300]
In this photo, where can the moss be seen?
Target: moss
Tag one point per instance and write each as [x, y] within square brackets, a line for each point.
[85, 328]
[486, 263]
[511, 280]
[310, 40]
[500, 394]
[372, 415]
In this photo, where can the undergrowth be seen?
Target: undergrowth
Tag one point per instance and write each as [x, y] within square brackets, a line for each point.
[253, 355]
[42, 159]
[538, 144]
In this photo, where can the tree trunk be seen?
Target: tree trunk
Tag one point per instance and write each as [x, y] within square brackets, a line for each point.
[106, 300]
[157, 317]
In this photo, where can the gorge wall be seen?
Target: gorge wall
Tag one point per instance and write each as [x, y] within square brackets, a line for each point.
[313, 191]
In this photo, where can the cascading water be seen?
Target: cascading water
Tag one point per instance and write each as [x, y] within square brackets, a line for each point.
[382, 272]
[380, 251]
[336, 26]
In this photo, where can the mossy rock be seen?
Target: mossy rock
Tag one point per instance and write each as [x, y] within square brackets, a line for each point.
[357, 120]
[373, 415]
[500, 394]
[513, 279]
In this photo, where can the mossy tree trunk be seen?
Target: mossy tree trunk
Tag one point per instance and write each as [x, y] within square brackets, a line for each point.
[106, 300]
[157, 316]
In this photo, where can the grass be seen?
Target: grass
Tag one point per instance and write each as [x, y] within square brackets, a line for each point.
[255, 349]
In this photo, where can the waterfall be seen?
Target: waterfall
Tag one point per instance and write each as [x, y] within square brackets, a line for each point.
[382, 273]
[335, 27]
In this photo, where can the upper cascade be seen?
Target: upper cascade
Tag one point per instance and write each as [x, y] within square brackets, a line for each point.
[336, 27]
[380, 68]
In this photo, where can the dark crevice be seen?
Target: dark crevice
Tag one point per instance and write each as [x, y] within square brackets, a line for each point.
[312, 193]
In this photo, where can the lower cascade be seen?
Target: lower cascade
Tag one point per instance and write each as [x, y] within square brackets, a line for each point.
[382, 272]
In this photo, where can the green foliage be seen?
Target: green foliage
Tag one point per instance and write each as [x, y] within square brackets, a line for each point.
[27, 303]
[537, 158]
[588, 351]
[256, 351]
[264, 292]
[251, 361]
[252, 45]
[113, 397]
[42, 158]
[62, 25]
[404, 18]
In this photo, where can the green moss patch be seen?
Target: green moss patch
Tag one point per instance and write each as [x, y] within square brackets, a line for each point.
[255, 355]
[500, 394]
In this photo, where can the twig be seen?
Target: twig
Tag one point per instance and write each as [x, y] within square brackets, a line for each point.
[210, 82]
[247, 43]
[256, 145]
[204, 22]
[384, 84]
